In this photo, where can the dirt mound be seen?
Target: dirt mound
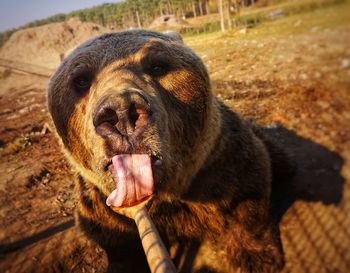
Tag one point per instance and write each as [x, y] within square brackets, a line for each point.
[47, 45]
[168, 21]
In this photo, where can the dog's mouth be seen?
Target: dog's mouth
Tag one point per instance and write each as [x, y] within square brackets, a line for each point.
[133, 177]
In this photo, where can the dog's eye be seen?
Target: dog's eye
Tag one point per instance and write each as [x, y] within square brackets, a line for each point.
[159, 69]
[82, 83]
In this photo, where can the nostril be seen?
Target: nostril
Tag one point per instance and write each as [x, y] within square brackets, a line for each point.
[109, 116]
[105, 121]
[133, 115]
[139, 115]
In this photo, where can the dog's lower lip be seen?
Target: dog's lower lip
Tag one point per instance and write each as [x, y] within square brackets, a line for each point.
[147, 198]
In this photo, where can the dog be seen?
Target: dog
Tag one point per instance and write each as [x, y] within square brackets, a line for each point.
[137, 119]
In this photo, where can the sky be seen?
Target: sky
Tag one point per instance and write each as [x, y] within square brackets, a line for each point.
[15, 13]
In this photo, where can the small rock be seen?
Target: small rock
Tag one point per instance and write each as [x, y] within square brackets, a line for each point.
[317, 75]
[243, 31]
[344, 63]
[303, 76]
[323, 104]
[315, 29]
[297, 23]
[276, 13]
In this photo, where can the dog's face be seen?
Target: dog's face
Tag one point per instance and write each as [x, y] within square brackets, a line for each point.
[134, 92]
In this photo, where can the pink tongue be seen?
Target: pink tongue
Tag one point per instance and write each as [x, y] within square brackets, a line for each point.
[134, 180]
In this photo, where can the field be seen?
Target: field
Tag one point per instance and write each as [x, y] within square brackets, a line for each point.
[290, 74]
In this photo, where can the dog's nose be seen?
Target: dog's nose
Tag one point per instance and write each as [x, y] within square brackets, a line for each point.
[121, 113]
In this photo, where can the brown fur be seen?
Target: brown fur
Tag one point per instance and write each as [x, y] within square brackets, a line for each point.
[213, 188]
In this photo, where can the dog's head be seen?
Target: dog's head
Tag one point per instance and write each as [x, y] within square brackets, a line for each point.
[134, 93]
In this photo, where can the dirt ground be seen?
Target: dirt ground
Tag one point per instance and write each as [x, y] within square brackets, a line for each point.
[298, 86]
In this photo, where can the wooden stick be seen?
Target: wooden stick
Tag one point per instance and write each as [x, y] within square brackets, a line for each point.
[157, 255]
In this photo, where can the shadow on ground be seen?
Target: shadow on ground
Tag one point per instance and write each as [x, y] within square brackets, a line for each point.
[317, 176]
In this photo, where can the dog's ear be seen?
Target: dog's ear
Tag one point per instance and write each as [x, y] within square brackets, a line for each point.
[174, 35]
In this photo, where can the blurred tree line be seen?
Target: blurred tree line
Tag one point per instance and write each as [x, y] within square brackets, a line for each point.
[135, 13]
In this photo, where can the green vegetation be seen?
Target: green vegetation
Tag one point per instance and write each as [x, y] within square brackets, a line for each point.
[4, 36]
[126, 14]
[252, 17]
[304, 20]
[137, 13]
[140, 13]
